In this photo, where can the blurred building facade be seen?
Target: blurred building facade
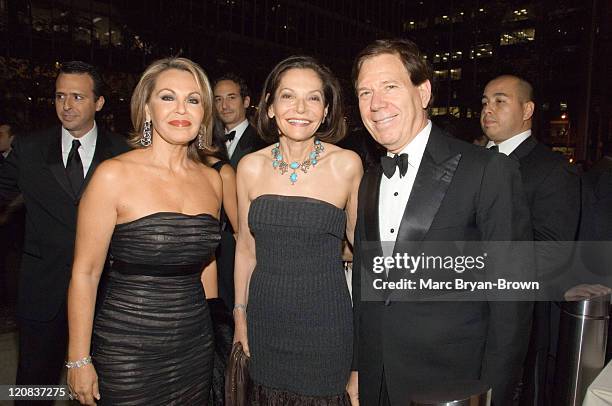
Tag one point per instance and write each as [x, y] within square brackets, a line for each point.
[562, 46]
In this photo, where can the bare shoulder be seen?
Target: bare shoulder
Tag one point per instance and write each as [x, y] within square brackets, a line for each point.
[112, 170]
[251, 165]
[211, 174]
[227, 172]
[344, 161]
[121, 167]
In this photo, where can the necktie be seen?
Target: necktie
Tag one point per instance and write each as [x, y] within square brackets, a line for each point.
[230, 136]
[390, 163]
[493, 148]
[74, 167]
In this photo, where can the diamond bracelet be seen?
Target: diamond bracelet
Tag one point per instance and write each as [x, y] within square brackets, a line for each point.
[79, 363]
[240, 306]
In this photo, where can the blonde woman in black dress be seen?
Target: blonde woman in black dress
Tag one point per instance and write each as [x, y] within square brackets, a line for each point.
[157, 208]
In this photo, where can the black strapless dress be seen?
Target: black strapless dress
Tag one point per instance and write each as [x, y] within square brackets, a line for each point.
[152, 337]
[300, 321]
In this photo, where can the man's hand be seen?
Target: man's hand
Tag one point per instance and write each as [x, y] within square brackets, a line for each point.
[584, 291]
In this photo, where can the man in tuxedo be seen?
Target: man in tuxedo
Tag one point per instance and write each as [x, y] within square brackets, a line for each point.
[51, 170]
[231, 102]
[429, 188]
[552, 187]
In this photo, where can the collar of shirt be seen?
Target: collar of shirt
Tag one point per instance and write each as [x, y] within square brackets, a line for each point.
[508, 146]
[240, 129]
[415, 150]
[87, 149]
[395, 192]
[88, 141]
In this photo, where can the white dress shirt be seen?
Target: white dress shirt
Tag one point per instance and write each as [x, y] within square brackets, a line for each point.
[86, 150]
[395, 192]
[240, 129]
[508, 146]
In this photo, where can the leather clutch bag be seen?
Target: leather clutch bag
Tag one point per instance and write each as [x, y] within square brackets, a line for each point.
[237, 379]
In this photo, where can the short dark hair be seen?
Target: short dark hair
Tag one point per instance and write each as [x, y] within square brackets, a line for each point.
[80, 67]
[16, 128]
[333, 127]
[524, 85]
[408, 52]
[239, 80]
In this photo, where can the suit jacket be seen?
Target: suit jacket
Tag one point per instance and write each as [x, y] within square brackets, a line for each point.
[461, 193]
[249, 142]
[35, 168]
[552, 188]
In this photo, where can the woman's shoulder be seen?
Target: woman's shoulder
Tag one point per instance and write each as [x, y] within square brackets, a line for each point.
[251, 164]
[344, 160]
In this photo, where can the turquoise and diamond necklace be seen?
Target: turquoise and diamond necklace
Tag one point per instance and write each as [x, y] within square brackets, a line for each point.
[304, 166]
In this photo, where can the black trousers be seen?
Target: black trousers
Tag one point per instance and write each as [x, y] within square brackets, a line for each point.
[42, 351]
[383, 397]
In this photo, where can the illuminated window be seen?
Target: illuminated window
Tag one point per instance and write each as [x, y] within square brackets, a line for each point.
[457, 55]
[517, 36]
[409, 25]
[455, 74]
[440, 74]
[519, 14]
[438, 111]
[481, 51]
[454, 111]
[442, 19]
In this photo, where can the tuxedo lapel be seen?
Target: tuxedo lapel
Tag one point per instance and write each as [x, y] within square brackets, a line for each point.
[244, 146]
[239, 151]
[56, 163]
[371, 194]
[370, 235]
[524, 148]
[435, 174]
[102, 153]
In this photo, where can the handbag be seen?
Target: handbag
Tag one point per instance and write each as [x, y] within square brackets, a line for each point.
[237, 379]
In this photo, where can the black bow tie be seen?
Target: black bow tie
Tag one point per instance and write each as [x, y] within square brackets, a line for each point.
[230, 136]
[390, 163]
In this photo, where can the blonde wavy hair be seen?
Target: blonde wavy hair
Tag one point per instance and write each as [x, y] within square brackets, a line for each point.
[144, 89]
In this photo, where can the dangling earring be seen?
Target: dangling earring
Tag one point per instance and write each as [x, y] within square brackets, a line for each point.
[201, 141]
[145, 141]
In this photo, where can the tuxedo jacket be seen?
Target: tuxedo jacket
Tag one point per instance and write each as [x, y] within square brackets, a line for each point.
[461, 193]
[35, 168]
[552, 187]
[249, 142]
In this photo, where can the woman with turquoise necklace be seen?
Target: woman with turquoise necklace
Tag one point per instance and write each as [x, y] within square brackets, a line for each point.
[297, 199]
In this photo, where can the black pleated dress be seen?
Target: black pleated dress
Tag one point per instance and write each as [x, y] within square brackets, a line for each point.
[153, 338]
[299, 315]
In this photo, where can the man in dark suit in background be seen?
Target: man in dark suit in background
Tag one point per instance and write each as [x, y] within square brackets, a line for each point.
[444, 189]
[552, 187]
[231, 101]
[51, 170]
